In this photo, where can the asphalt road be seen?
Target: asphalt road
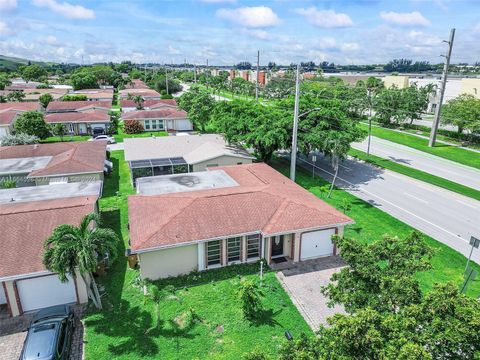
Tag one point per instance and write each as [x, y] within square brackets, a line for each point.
[444, 215]
[423, 161]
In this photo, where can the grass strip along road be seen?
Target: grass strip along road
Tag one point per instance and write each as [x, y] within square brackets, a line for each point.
[448, 152]
[416, 174]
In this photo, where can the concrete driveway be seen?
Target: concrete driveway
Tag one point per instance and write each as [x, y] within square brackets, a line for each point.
[13, 333]
[302, 281]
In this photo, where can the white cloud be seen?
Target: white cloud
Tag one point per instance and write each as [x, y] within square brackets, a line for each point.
[8, 4]
[408, 19]
[325, 18]
[173, 51]
[50, 40]
[6, 29]
[256, 33]
[326, 43]
[252, 17]
[352, 46]
[66, 9]
[424, 39]
[476, 28]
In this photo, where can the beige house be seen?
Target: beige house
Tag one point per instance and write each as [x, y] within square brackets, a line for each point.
[470, 86]
[399, 81]
[236, 214]
[163, 118]
[63, 162]
[25, 284]
[180, 154]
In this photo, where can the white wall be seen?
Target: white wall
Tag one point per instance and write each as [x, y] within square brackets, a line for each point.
[220, 161]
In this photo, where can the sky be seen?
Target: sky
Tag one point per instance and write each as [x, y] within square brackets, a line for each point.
[229, 31]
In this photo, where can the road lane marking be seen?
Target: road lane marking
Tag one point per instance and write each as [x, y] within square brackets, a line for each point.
[416, 198]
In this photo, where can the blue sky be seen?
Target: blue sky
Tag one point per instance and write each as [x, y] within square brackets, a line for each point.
[229, 31]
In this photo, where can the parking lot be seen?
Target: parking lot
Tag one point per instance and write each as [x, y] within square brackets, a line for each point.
[303, 280]
[13, 333]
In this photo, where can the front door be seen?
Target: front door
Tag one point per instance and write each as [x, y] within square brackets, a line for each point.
[277, 246]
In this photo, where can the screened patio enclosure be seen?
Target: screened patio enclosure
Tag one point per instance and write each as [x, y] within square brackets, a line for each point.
[155, 167]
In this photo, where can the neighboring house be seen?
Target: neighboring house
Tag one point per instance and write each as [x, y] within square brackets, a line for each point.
[398, 81]
[81, 122]
[137, 84]
[130, 105]
[145, 93]
[96, 94]
[163, 119]
[27, 219]
[63, 162]
[70, 106]
[235, 214]
[10, 111]
[180, 154]
[34, 94]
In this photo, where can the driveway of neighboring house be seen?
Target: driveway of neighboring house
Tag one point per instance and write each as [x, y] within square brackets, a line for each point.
[302, 281]
[13, 333]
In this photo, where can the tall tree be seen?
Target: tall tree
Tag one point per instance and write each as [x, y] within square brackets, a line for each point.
[16, 95]
[33, 73]
[463, 112]
[45, 99]
[81, 248]
[32, 123]
[199, 105]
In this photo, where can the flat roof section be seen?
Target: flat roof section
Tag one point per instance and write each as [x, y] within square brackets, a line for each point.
[167, 184]
[50, 192]
[23, 165]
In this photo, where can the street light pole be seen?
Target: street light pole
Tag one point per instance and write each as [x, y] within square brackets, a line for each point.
[293, 153]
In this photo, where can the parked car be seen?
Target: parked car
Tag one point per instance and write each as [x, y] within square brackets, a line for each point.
[110, 139]
[50, 333]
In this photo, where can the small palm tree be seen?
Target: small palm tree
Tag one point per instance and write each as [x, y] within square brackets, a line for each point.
[70, 248]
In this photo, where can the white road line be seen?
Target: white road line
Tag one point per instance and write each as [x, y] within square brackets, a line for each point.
[389, 202]
[416, 198]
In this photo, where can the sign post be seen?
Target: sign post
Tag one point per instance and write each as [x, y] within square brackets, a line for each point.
[475, 244]
[314, 160]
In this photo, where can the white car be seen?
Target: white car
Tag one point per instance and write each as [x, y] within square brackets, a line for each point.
[110, 139]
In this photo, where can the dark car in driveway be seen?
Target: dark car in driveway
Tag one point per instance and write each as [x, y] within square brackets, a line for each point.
[50, 333]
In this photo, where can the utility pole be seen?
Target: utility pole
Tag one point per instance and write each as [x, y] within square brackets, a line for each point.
[257, 88]
[293, 153]
[206, 75]
[166, 79]
[195, 73]
[438, 109]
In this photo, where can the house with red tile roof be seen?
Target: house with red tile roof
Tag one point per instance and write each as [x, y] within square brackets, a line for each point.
[228, 215]
[10, 111]
[145, 93]
[25, 283]
[62, 162]
[130, 105]
[69, 106]
[162, 119]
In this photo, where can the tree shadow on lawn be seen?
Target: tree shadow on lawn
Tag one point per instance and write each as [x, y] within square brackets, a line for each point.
[265, 317]
[112, 181]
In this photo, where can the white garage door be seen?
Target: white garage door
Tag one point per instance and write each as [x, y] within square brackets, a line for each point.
[183, 125]
[3, 298]
[316, 244]
[45, 291]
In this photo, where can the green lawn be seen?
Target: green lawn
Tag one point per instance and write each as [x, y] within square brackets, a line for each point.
[119, 331]
[416, 174]
[121, 135]
[371, 223]
[52, 139]
[449, 152]
[441, 137]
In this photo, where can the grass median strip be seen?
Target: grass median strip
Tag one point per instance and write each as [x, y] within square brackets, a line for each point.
[372, 223]
[416, 174]
[448, 152]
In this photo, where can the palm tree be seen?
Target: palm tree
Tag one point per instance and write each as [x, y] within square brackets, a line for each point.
[138, 99]
[81, 248]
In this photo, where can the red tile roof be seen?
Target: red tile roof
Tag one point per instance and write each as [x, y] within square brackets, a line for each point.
[7, 117]
[77, 105]
[265, 202]
[165, 113]
[25, 227]
[149, 103]
[20, 106]
[67, 157]
[74, 117]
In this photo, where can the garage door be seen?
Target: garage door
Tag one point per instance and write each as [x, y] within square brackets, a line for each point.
[316, 244]
[45, 291]
[3, 298]
[183, 125]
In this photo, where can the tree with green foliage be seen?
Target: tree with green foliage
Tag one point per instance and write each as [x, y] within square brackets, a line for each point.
[266, 129]
[250, 296]
[74, 97]
[83, 80]
[463, 112]
[32, 123]
[33, 72]
[114, 122]
[18, 139]
[156, 296]
[59, 130]
[380, 275]
[4, 81]
[255, 354]
[199, 105]
[15, 95]
[80, 248]
[388, 105]
[45, 99]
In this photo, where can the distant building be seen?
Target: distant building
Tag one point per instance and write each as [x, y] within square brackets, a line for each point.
[399, 81]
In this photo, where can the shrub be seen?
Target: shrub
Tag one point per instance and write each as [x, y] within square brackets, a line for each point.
[250, 296]
[32, 123]
[8, 183]
[74, 97]
[166, 96]
[132, 127]
[44, 86]
[19, 139]
[255, 354]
